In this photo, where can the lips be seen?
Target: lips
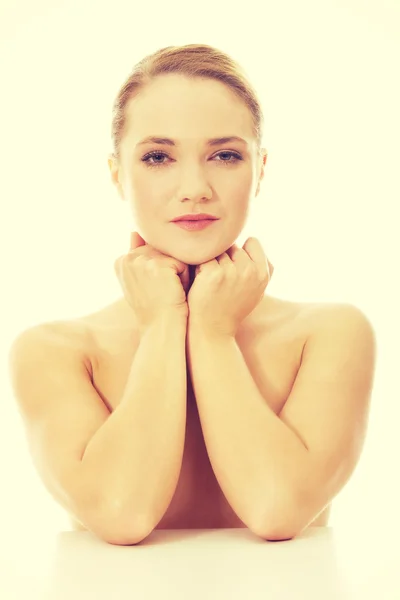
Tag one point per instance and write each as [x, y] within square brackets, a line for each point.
[195, 225]
[195, 217]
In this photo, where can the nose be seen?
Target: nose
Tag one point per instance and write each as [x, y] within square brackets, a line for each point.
[193, 183]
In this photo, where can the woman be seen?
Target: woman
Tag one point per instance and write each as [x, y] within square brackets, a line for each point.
[196, 400]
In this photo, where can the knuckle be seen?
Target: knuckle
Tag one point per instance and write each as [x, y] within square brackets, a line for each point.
[218, 273]
[139, 260]
[248, 270]
[150, 266]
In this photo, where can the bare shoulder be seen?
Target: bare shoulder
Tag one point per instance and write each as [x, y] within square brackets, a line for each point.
[343, 325]
[326, 314]
[281, 313]
[81, 336]
[73, 336]
[309, 317]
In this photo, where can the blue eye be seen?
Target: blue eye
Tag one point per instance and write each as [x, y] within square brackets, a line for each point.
[146, 159]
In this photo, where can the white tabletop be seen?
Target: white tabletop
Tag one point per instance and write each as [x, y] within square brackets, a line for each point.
[203, 564]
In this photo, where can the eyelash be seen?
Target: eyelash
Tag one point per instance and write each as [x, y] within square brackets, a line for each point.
[146, 158]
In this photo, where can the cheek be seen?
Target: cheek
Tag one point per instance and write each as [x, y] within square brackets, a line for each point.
[240, 188]
[144, 200]
[240, 202]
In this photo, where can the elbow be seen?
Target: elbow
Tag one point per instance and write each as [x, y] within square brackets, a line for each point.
[279, 526]
[285, 520]
[114, 526]
[124, 536]
[274, 533]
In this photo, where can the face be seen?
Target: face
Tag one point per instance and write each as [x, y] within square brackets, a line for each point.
[162, 181]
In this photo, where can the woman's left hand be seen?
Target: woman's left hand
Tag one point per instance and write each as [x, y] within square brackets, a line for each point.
[228, 288]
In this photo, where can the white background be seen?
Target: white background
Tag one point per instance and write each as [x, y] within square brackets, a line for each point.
[327, 74]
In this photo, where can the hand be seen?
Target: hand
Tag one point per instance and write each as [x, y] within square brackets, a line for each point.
[153, 283]
[228, 288]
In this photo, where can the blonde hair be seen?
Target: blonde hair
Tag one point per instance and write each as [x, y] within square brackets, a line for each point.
[192, 60]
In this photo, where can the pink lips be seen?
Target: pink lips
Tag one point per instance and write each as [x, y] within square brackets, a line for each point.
[194, 225]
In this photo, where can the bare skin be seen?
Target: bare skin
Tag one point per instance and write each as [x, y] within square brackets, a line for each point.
[274, 334]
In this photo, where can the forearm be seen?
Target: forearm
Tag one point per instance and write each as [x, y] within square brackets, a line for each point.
[134, 459]
[254, 454]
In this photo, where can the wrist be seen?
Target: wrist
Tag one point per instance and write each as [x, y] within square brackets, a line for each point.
[168, 320]
[196, 327]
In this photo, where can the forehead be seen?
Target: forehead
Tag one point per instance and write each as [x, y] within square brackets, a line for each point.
[184, 108]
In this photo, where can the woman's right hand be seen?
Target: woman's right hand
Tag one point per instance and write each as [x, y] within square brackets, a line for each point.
[153, 283]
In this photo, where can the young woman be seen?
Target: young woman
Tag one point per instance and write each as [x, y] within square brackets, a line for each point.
[196, 400]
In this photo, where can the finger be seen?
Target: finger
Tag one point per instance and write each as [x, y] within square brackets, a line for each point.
[233, 261]
[231, 251]
[234, 252]
[208, 266]
[256, 252]
[116, 264]
[224, 259]
[136, 240]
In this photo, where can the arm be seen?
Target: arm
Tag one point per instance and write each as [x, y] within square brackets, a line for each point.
[134, 460]
[251, 451]
[278, 472]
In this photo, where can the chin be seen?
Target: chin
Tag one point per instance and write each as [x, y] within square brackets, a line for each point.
[201, 251]
[197, 258]
[194, 252]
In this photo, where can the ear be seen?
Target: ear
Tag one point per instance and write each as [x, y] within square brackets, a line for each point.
[115, 171]
[264, 156]
[262, 163]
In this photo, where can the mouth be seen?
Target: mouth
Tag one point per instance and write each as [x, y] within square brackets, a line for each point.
[195, 225]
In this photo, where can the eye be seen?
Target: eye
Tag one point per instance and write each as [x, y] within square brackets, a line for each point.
[235, 157]
[152, 155]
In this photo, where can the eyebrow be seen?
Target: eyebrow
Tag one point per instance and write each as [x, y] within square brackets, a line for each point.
[210, 142]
